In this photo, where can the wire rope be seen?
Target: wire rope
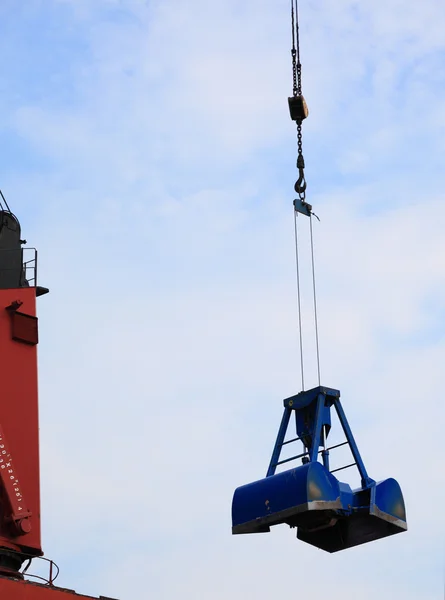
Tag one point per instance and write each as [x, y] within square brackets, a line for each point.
[299, 300]
[315, 301]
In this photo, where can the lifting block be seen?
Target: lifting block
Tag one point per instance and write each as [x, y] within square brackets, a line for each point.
[298, 108]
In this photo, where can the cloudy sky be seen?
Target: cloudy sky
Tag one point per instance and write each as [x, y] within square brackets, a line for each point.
[148, 152]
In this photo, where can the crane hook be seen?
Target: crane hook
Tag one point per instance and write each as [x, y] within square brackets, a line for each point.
[300, 185]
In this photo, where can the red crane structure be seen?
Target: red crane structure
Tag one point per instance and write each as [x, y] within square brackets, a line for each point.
[20, 538]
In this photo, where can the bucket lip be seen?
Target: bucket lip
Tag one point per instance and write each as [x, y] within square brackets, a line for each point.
[260, 523]
[376, 512]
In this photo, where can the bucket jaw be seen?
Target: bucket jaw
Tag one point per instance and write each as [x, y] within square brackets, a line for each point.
[325, 511]
[307, 496]
[375, 513]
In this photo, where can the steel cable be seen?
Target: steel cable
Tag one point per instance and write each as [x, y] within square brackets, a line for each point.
[315, 301]
[299, 300]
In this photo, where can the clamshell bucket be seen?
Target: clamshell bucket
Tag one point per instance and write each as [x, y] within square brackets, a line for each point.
[325, 511]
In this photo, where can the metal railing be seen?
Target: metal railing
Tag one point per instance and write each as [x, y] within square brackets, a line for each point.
[53, 570]
[30, 266]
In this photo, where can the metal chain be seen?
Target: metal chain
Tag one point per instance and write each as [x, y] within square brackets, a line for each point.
[300, 185]
[294, 72]
[294, 55]
[296, 65]
[299, 75]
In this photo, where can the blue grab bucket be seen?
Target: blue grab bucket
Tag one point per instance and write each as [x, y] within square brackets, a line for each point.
[327, 513]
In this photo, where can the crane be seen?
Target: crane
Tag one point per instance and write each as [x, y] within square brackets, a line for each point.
[20, 536]
[326, 512]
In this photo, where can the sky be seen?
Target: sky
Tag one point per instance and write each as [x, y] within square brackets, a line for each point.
[149, 155]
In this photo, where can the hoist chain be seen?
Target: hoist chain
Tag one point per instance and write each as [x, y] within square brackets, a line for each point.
[294, 72]
[299, 77]
[300, 184]
[297, 104]
[296, 65]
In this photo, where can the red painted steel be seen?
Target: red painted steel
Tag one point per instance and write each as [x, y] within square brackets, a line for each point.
[19, 430]
[19, 515]
[19, 449]
[26, 590]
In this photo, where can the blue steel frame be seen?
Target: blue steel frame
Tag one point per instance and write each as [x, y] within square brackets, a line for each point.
[324, 398]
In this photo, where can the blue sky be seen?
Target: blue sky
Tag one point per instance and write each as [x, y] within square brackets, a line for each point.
[148, 153]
